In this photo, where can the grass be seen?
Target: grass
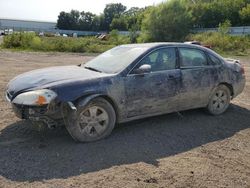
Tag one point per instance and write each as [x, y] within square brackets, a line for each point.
[223, 43]
[31, 42]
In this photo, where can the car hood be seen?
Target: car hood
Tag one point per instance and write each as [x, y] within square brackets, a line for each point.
[42, 77]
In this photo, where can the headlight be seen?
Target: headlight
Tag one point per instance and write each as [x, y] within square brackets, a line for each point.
[35, 98]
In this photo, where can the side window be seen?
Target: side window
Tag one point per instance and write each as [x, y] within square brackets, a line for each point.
[162, 59]
[192, 57]
[214, 60]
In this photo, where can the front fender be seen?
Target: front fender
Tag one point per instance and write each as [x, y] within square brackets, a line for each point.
[70, 106]
[78, 89]
[85, 100]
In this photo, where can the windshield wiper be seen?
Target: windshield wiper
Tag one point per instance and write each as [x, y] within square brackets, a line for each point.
[93, 69]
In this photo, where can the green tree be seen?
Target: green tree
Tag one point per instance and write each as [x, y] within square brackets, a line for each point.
[209, 13]
[103, 26]
[74, 19]
[68, 20]
[204, 13]
[132, 16]
[63, 20]
[142, 16]
[245, 15]
[111, 11]
[167, 22]
[133, 34]
[86, 21]
[119, 24]
[224, 28]
[96, 23]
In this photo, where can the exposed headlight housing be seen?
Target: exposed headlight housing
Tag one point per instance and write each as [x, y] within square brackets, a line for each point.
[35, 98]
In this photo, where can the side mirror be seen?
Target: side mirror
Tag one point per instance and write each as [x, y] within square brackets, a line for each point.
[145, 68]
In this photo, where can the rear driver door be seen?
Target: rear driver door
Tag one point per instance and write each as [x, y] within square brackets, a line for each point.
[197, 78]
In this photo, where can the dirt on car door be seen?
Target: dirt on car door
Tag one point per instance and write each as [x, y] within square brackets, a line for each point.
[152, 93]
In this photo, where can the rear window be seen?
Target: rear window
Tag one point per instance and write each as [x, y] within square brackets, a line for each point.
[214, 60]
[192, 57]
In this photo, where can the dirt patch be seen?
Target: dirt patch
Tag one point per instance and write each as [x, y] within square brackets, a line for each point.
[189, 150]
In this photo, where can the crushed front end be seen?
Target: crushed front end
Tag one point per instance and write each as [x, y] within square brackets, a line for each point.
[37, 106]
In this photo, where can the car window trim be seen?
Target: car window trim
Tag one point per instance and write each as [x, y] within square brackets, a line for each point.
[150, 52]
[210, 54]
[191, 67]
[196, 67]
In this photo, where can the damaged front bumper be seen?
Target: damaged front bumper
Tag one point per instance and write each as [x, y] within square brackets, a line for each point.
[52, 114]
[47, 114]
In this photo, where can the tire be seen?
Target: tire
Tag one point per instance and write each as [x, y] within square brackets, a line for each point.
[219, 100]
[92, 122]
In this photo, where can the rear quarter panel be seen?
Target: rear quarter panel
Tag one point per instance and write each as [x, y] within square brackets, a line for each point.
[235, 77]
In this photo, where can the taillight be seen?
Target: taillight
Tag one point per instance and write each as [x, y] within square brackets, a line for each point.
[242, 69]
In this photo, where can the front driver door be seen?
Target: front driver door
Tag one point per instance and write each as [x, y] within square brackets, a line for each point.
[157, 91]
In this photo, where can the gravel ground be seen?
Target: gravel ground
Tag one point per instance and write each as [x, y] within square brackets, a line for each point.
[191, 149]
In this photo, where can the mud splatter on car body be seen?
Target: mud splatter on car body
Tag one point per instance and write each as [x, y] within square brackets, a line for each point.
[133, 96]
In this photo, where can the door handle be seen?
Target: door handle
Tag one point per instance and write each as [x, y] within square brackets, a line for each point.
[171, 76]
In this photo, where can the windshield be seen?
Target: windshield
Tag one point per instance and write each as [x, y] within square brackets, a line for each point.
[115, 60]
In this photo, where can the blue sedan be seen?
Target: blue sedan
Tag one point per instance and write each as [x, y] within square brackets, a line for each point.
[126, 83]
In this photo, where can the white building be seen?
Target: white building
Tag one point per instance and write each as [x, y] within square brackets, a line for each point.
[26, 25]
[38, 26]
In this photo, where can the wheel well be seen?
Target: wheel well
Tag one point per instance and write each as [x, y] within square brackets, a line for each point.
[111, 102]
[230, 87]
[107, 98]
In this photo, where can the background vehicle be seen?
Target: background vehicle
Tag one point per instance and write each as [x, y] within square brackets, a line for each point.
[57, 34]
[41, 34]
[8, 31]
[125, 83]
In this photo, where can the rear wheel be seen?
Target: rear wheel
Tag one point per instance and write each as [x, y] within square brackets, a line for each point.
[219, 100]
[92, 122]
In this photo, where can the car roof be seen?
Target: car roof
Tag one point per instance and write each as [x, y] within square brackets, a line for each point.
[153, 45]
[161, 44]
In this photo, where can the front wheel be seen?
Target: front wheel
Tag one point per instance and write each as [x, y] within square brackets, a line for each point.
[219, 100]
[92, 122]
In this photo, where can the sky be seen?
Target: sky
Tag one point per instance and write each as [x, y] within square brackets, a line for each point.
[48, 10]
